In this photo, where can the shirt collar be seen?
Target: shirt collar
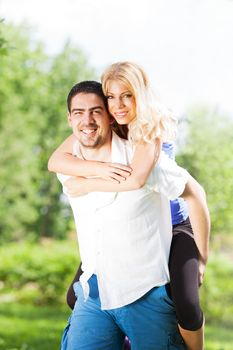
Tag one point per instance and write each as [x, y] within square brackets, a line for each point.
[118, 151]
[119, 154]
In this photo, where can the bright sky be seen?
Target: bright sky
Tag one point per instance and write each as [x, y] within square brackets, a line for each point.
[185, 46]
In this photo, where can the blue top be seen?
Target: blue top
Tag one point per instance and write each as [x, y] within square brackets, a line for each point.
[179, 211]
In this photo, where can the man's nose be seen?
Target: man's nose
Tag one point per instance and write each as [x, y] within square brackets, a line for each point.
[88, 117]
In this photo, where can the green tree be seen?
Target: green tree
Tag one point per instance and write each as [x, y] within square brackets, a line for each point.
[3, 42]
[207, 154]
[32, 123]
[67, 68]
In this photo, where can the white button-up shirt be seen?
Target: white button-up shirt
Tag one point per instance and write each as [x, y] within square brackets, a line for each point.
[124, 238]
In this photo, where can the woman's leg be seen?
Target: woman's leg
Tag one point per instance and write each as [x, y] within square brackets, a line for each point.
[70, 295]
[183, 265]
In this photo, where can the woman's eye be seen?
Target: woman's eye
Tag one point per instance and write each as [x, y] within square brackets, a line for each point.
[109, 97]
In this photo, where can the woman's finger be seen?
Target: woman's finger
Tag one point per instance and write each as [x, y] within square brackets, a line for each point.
[121, 166]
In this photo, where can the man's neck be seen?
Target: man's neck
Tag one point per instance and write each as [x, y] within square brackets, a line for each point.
[101, 153]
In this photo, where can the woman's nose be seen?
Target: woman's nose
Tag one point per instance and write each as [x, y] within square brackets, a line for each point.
[120, 102]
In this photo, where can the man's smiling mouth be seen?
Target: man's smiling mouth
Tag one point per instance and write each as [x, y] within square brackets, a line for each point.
[88, 131]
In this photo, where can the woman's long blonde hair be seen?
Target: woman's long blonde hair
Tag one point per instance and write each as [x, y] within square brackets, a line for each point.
[152, 120]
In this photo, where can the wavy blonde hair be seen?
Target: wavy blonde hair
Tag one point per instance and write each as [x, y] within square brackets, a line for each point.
[152, 120]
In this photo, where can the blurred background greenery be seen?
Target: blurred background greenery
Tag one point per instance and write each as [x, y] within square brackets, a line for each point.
[38, 249]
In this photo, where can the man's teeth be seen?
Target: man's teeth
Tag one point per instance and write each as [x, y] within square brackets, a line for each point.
[88, 131]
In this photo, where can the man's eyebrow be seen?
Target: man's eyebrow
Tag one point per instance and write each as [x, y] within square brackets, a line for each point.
[96, 107]
[83, 109]
[77, 109]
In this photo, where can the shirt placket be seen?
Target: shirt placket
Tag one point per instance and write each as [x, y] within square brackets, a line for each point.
[99, 248]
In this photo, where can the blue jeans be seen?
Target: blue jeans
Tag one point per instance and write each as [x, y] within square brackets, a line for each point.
[150, 323]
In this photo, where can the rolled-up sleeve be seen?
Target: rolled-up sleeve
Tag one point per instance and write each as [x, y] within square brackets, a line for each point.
[62, 178]
[168, 178]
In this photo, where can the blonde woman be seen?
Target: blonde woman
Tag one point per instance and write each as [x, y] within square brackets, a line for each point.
[131, 102]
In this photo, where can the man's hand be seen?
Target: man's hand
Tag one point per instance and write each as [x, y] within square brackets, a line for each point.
[75, 186]
[202, 267]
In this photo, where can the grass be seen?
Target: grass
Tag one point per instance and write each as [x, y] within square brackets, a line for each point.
[29, 327]
[219, 338]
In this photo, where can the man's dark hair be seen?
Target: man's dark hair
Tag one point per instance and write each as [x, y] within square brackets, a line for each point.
[86, 87]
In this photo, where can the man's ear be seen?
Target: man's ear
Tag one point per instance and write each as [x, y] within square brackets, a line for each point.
[69, 119]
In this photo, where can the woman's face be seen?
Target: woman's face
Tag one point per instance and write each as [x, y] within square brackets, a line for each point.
[121, 102]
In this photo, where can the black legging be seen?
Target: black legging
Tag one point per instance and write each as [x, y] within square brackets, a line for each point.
[184, 281]
[183, 265]
[70, 296]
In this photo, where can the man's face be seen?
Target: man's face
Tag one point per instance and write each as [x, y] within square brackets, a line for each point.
[89, 120]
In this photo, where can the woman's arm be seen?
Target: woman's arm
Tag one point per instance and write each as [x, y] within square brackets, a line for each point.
[144, 159]
[62, 161]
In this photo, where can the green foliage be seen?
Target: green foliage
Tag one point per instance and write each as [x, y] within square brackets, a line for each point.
[32, 123]
[218, 337]
[217, 290]
[37, 273]
[207, 154]
[3, 42]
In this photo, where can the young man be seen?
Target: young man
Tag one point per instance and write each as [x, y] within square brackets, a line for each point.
[124, 241]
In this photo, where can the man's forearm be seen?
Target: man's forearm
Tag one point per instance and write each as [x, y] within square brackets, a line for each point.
[199, 217]
[200, 221]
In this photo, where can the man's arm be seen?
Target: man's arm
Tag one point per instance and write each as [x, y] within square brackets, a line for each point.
[199, 216]
[173, 182]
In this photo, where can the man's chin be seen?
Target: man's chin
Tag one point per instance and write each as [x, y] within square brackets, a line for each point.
[89, 143]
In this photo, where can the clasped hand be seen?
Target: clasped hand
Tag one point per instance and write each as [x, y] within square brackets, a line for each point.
[114, 172]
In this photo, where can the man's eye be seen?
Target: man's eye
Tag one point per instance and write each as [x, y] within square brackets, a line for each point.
[77, 114]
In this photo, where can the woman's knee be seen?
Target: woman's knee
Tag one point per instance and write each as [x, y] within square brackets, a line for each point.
[189, 315]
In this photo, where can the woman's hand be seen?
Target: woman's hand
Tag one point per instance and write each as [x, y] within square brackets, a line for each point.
[112, 171]
[75, 186]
